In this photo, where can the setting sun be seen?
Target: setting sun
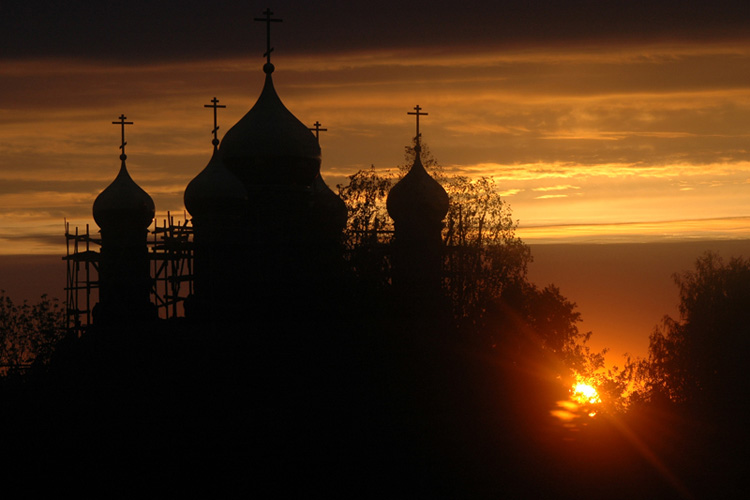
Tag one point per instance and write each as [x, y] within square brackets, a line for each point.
[584, 393]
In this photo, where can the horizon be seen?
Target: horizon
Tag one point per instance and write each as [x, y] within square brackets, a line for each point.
[622, 290]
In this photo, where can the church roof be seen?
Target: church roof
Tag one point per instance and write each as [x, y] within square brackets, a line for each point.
[330, 207]
[123, 203]
[214, 189]
[269, 145]
[417, 197]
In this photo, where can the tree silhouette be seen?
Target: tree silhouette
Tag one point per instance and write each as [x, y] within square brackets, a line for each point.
[369, 229]
[700, 359]
[28, 333]
[484, 267]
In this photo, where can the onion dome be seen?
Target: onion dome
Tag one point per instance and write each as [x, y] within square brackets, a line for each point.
[123, 203]
[417, 197]
[269, 145]
[329, 207]
[214, 190]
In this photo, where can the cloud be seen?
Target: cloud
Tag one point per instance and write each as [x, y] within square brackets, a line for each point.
[616, 133]
[556, 188]
[169, 30]
[550, 196]
[729, 228]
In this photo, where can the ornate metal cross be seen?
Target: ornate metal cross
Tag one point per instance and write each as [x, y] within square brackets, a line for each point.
[417, 113]
[122, 123]
[215, 104]
[318, 130]
[268, 22]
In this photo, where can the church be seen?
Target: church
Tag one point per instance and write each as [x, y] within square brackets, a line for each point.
[280, 361]
[267, 231]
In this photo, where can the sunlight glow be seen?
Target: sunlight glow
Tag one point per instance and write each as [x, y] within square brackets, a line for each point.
[585, 393]
[573, 412]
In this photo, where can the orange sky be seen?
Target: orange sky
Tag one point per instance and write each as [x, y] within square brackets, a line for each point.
[586, 142]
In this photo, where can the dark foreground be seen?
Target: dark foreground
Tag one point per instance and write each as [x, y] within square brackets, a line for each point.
[316, 406]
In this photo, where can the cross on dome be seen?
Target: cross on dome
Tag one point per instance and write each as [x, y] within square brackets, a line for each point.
[215, 104]
[122, 123]
[417, 113]
[318, 130]
[268, 20]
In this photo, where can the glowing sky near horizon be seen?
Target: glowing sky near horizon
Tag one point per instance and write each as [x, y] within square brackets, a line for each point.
[586, 142]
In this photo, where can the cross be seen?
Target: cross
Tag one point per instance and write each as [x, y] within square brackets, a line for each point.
[122, 123]
[318, 130]
[214, 104]
[268, 22]
[417, 110]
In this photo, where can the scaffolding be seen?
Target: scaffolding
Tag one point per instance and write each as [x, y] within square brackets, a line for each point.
[81, 279]
[170, 250]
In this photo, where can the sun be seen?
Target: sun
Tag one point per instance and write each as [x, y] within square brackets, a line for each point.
[583, 400]
[585, 393]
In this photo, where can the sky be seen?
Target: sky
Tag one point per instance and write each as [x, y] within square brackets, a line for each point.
[601, 122]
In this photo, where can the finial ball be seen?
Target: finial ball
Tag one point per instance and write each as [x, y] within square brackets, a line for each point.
[268, 68]
[123, 157]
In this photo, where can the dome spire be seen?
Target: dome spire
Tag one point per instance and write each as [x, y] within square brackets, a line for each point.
[417, 198]
[215, 104]
[268, 67]
[269, 145]
[214, 188]
[123, 211]
[123, 202]
[316, 128]
[122, 124]
[417, 204]
[417, 113]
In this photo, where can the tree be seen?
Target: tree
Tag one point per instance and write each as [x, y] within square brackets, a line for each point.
[28, 333]
[365, 197]
[369, 228]
[484, 268]
[483, 255]
[700, 358]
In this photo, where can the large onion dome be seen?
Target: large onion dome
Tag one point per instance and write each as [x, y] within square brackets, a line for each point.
[269, 145]
[417, 197]
[214, 190]
[123, 204]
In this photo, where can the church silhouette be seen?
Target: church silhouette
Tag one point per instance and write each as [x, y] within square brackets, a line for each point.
[279, 358]
[266, 230]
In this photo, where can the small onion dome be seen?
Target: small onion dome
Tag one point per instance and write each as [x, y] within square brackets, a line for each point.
[269, 145]
[215, 189]
[328, 205]
[417, 197]
[123, 203]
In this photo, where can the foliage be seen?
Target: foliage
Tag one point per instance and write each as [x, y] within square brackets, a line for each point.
[484, 268]
[369, 228]
[28, 332]
[619, 387]
[483, 255]
[365, 197]
[701, 357]
[529, 322]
